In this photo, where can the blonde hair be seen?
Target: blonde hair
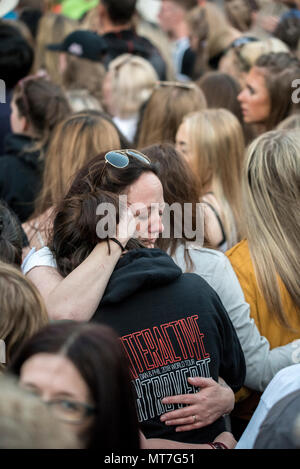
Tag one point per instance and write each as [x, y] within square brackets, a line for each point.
[52, 29]
[217, 146]
[220, 32]
[82, 100]
[271, 204]
[239, 60]
[253, 50]
[132, 79]
[163, 113]
[75, 141]
[23, 312]
[22, 29]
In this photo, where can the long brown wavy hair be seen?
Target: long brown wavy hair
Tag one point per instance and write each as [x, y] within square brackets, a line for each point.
[75, 231]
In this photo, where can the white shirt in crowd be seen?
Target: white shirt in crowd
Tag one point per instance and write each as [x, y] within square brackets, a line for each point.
[285, 382]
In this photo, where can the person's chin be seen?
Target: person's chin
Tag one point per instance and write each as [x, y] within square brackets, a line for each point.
[248, 119]
[245, 116]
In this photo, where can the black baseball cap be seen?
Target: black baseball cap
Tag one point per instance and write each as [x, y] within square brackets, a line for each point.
[83, 44]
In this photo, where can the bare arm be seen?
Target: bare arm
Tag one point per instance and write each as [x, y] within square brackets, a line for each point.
[77, 296]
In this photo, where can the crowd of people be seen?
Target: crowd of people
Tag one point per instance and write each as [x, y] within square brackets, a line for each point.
[149, 224]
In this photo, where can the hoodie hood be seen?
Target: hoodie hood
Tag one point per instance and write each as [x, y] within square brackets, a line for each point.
[140, 269]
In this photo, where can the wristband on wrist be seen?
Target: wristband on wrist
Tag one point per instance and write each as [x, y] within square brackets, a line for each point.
[118, 243]
[217, 445]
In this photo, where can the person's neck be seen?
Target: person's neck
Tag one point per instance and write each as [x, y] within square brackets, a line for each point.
[179, 31]
[259, 129]
[109, 27]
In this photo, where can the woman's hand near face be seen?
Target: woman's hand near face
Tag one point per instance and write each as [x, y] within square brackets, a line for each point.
[77, 296]
[127, 226]
[202, 408]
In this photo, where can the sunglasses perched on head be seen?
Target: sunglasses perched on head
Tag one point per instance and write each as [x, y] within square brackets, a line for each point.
[120, 159]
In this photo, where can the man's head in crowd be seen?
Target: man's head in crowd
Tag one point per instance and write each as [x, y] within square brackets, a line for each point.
[116, 12]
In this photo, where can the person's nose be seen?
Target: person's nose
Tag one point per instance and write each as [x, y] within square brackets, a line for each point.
[241, 97]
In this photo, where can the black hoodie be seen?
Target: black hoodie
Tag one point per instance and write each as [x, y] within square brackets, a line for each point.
[20, 175]
[172, 326]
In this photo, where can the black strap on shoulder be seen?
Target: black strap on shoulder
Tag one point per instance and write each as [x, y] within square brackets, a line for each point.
[219, 221]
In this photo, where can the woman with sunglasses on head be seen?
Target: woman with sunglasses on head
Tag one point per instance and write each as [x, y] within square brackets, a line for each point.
[81, 373]
[37, 106]
[156, 284]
